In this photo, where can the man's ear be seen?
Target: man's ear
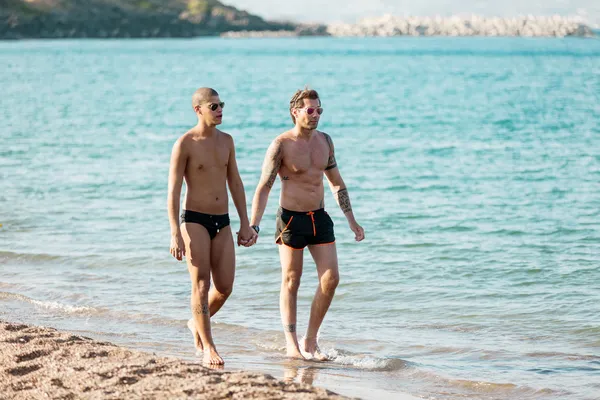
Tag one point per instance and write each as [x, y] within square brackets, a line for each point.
[197, 109]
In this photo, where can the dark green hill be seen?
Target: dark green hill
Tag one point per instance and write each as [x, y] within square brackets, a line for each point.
[125, 18]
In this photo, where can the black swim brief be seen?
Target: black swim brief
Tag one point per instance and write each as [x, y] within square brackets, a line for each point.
[297, 229]
[212, 223]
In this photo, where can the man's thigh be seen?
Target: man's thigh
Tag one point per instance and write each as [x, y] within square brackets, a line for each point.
[197, 249]
[325, 257]
[291, 259]
[222, 260]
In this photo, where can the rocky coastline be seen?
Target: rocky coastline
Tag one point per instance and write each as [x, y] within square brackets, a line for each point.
[388, 25]
[32, 19]
[529, 26]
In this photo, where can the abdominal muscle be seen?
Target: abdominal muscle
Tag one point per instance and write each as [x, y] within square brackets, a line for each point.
[205, 197]
[301, 196]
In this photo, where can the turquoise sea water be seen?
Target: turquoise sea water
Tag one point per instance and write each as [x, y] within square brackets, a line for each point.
[473, 164]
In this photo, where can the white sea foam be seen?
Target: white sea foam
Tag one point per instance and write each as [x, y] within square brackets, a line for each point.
[364, 361]
[51, 305]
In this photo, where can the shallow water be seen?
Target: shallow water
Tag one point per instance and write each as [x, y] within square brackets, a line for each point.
[472, 164]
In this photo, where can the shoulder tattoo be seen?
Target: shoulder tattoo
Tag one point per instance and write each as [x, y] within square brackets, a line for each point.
[331, 163]
[273, 163]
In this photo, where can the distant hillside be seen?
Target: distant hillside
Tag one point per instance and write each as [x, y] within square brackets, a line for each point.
[125, 18]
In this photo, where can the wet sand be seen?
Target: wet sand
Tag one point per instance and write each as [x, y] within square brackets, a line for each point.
[41, 362]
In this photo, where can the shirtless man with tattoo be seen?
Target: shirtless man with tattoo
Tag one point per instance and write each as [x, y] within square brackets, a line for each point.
[301, 156]
[205, 157]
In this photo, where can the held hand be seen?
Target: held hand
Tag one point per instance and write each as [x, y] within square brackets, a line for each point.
[254, 238]
[240, 241]
[177, 246]
[247, 236]
[359, 232]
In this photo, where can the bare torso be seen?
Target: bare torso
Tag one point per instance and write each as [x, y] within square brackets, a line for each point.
[206, 173]
[304, 162]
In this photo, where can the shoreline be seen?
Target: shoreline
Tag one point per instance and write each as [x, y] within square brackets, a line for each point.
[63, 24]
[43, 362]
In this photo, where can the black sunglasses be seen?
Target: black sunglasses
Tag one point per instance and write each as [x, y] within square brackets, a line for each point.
[214, 106]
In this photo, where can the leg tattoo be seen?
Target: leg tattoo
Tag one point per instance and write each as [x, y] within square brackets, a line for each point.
[201, 309]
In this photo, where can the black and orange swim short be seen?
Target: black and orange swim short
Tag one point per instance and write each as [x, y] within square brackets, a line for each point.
[298, 229]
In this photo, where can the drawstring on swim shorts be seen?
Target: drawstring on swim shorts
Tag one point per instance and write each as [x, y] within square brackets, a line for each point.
[312, 217]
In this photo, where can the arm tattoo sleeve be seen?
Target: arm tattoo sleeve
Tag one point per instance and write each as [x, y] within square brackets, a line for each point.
[290, 328]
[331, 163]
[343, 200]
[272, 164]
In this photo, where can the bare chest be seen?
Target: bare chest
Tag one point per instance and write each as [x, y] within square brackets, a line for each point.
[206, 157]
[301, 157]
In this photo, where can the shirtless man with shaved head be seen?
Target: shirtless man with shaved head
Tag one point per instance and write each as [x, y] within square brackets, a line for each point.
[205, 158]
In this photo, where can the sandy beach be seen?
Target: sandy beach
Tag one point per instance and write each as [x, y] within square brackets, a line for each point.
[41, 362]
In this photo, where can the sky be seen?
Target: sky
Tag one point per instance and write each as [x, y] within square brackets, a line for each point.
[327, 11]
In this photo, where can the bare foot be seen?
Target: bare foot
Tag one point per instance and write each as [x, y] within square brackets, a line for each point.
[197, 342]
[294, 352]
[211, 357]
[214, 366]
[311, 348]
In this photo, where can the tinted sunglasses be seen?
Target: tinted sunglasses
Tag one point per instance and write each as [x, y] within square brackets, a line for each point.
[214, 106]
[311, 110]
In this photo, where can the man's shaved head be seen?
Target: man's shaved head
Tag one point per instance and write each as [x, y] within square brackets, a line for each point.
[203, 95]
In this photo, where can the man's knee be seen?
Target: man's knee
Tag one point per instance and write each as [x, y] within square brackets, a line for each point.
[291, 281]
[224, 291]
[201, 285]
[330, 281]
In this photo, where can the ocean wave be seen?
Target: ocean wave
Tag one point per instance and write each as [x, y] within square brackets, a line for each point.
[467, 388]
[454, 228]
[420, 245]
[568, 356]
[366, 362]
[53, 305]
[269, 341]
[57, 307]
[451, 328]
[270, 346]
[503, 389]
[506, 232]
[9, 256]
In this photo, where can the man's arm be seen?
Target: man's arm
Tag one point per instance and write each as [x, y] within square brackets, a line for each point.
[238, 194]
[340, 192]
[176, 171]
[270, 169]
